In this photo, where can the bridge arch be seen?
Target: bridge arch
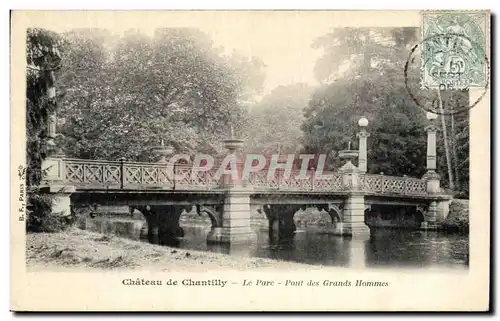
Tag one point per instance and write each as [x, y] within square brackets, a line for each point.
[212, 212]
[142, 214]
[420, 214]
[335, 213]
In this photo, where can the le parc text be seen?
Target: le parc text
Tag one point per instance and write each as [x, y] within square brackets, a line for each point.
[331, 283]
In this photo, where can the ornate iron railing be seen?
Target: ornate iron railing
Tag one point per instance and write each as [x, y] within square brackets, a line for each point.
[296, 181]
[90, 174]
[135, 175]
[382, 184]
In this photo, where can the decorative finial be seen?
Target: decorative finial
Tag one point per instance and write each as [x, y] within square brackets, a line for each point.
[363, 122]
[431, 116]
[232, 132]
[162, 142]
[349, 145]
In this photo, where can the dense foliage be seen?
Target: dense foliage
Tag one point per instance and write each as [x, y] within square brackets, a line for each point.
[124, 94]
[362, 74]
[43, 58]
[274, 122]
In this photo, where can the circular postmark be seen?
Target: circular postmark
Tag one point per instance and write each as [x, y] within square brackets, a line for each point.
[442, 69]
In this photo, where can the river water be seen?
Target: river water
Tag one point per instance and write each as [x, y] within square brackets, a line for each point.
[312, 245]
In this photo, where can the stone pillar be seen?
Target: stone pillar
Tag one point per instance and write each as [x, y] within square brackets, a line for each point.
[431, 215]
[169, 221]
[353, 219]
[163, 223]
[62, 199]
[152, 218]
[338, 228]
[52, 119]
[235, 218]
[53, 183]
[335, 213]
[443, 209]
[53, 169]
[169, 230]
[433, 182]
[280, 217]
[353, 213]
[163, 151]
[358, 252]
[363, 155]
[350, 177]
[51, 128]
[274, 229]
[236, 208]
[153, 234]
[431, 147]
[233, 145]
[432, 178]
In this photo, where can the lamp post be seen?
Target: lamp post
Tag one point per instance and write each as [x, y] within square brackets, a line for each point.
[51, 133]
[363, 135]
[163, 151]
[433, 184]
[431, 142]
[432, 178]
[233, 145]
[53, 149]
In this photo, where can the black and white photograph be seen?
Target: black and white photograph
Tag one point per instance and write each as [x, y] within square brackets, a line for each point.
[251, 141]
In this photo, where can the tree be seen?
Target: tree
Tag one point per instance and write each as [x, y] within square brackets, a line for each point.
[372, 86]
[397, 142]
[461, 147]
[454, 135]
[358, 49]
[362, 74]
[43, 57]
[275, 121]
[138, 91]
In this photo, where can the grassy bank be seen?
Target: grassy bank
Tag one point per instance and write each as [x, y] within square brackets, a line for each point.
[458, 217]
[83, 249]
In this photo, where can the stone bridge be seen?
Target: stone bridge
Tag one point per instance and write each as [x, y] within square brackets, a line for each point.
[353, 198]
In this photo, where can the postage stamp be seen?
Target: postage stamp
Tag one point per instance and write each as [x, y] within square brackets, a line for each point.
[454, 49]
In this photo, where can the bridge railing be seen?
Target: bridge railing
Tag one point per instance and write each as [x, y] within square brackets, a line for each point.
[91, 173]
[296, 181]
[383, 184]
[97, 174]
[134, 175]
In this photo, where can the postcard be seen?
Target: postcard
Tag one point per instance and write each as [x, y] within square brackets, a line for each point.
[250, 160]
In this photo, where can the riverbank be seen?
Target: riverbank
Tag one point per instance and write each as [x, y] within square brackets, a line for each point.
[458, 217]
[76, 248]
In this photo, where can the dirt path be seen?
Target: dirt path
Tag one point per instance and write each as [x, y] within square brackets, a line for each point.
[82, 249]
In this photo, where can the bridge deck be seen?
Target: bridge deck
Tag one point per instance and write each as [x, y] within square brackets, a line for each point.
[157, 178]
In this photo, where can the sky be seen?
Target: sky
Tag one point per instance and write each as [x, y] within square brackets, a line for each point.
[281, 39]
[284, 46]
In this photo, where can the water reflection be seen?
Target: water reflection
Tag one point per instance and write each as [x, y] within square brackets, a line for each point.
[416, 248]
[315, 245]
[384, 248]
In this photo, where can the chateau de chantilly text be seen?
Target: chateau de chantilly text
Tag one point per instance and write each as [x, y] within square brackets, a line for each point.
[256, 282]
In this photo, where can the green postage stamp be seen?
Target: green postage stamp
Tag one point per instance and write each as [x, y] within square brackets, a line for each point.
[454, 49]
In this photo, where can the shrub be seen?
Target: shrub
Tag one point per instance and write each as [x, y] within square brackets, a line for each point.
[458, 218]
[39, 214]
[42, 58]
